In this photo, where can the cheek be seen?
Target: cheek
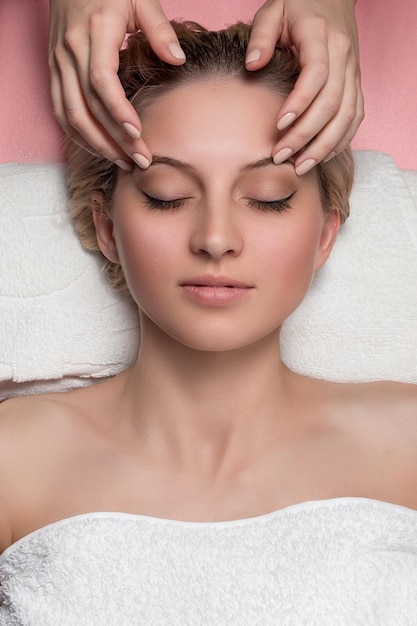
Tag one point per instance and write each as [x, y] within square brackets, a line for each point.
[146, 253]
[289, 263]
[294, 250]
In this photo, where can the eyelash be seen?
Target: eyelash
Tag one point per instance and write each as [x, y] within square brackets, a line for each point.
[272, 205]
[157, 203]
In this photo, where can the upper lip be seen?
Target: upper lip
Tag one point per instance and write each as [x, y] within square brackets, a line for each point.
[208, 280]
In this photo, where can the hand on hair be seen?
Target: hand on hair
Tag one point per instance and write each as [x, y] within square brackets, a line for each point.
[88, 99]
[326, 106]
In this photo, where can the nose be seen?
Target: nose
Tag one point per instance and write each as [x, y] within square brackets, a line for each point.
[216, 233]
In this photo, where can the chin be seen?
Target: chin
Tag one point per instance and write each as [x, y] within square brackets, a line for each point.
[222, 342]
[206, 334]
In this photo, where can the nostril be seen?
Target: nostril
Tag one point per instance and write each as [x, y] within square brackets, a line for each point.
[215, 235]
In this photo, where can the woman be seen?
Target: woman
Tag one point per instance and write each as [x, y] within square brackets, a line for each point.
[208, 483]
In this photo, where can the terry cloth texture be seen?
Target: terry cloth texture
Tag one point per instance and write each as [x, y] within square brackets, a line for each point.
[340, 562]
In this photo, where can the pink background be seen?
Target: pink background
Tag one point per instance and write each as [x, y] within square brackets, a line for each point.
[388, 40]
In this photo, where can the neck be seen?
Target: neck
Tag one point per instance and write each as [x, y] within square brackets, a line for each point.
[194, 400]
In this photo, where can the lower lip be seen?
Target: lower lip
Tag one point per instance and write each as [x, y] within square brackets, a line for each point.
[215, 296]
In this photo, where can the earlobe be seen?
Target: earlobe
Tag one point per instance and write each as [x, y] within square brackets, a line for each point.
[104, 228]
[329, 232]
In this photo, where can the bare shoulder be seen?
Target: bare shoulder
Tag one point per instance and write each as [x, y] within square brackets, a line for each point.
[392, 402]
[34, 428]
[37, 420]
[28, 420]
[383, 409]
[35, 431]
[387, 401]
[381, 418]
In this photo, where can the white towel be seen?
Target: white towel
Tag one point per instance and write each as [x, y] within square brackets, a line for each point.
[337, 562]
[359, 319]
[58, 316]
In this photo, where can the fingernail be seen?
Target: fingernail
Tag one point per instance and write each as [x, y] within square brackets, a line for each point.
[253, 55]
[124, 165]
[282, 155]
[131, 130]
[305, 167]
[140, 160]
[176, 51]
[330, 157]
[286, 121]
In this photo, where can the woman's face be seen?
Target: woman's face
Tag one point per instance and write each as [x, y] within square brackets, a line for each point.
[218, 244]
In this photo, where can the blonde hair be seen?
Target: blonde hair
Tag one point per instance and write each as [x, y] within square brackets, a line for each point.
[210, 54]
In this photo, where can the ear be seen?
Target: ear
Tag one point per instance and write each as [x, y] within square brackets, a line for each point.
[104, 228]
[329, 232]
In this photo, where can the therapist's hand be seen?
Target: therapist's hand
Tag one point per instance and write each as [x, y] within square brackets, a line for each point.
[85, 37]
[90, 104]
[325, 109]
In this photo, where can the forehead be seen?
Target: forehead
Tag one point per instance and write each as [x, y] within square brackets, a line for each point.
[219, 118]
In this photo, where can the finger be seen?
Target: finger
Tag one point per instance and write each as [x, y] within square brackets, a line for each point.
[266, 31]
[59, 57]
[314, 61]
[86, 113]
[322, 110]
[92, 106]
[59, 108]
[81, 125]
[60, 115]
[98, 73]
[105, 96]
[337, 98]
[151, 19]
[347, 138]
[340, 128]
[56, 91]
[338, 132]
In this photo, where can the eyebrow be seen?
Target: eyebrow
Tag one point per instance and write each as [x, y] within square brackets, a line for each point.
[166, 160]
[262, 163]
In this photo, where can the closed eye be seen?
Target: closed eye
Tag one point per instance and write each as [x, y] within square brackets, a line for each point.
[157, 203]
[280, 205]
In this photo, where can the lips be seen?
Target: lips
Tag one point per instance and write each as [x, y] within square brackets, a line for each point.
[215, 291]
[215, 281]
